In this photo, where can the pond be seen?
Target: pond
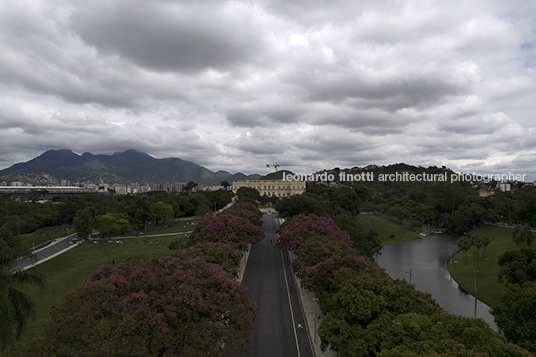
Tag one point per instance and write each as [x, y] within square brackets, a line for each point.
[425, 261]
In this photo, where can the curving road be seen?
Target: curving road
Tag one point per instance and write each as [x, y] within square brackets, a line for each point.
[279, 328]
[43, 253]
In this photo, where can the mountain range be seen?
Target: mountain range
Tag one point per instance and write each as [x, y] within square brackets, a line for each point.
[122, 167]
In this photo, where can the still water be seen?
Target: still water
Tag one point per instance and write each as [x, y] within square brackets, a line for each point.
[428, 260]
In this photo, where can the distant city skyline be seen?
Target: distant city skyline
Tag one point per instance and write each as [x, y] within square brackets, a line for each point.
[236, 85]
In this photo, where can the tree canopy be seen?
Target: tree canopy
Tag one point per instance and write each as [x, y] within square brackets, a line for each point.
[318, 261]
[516, 314]
[225, 228]
[366, 242]
[161, 211]
[250, 215]
[302, 228]
[444, 334]
[222, 254]
[15, 306]
[247, 195]
[169, 307]
[364, 306]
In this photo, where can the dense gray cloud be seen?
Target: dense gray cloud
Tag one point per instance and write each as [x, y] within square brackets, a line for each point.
[171, 36]
[234, 85]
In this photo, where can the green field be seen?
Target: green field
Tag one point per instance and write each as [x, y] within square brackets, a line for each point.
[44, 235]
[387, 225]
[64, 272]
[488, 289]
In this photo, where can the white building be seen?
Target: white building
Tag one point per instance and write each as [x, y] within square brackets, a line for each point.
[504, 186]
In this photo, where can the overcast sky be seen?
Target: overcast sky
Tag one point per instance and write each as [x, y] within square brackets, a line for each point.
[234, 85]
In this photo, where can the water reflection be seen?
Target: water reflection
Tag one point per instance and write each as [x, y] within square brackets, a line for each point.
[426, 260]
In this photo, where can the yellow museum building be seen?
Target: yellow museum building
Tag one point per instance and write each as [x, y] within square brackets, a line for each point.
[273, 188]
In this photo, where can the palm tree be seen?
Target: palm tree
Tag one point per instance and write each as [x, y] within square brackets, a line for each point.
[522, 235]
[465, 244]
[15, 306]
[486, 241]
[478, 242]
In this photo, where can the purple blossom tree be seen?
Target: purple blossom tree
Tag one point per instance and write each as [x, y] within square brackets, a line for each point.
[248, 207]
[249, 215]
[319, 260]
[225, 255]
[225, 228]
[302, 228]
[169, 307]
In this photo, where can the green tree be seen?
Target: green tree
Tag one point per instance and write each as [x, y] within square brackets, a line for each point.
[175, 244]
[202, 209]
[444, 334]
[346, 198]
[427, 214]
[364, 307]
[459, 223]
[185, 205]
[189, 186]
[138, 212]
[366, 242]
[8, 238]
[525, 205]
[486, 240]
[225, 184]
[84, 222]
[522, 235]
[517, 266]
[300, 204]
[465, 244]
[248, 195]
[478, 242]
[161, 211]
[399, 212]
[122, 222]
[106, 224]
[15, 307]
[515, 315]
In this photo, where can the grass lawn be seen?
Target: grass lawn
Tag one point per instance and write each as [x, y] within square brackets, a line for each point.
[70, 268]
[39, 237]
[174, 227]
[387, 225]
[488, 289]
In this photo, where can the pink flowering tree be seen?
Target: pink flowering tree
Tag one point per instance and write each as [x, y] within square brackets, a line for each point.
[222, 254]
[302, 228]
[318, 262]
[249, 215]
[225, 228]
[249, 207]
[169, 307]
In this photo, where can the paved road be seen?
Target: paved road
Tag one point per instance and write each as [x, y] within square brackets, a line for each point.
[268, 277]
[46, 252]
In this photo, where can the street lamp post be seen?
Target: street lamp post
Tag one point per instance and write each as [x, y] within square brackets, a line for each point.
[315, 299]
[410, 274]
